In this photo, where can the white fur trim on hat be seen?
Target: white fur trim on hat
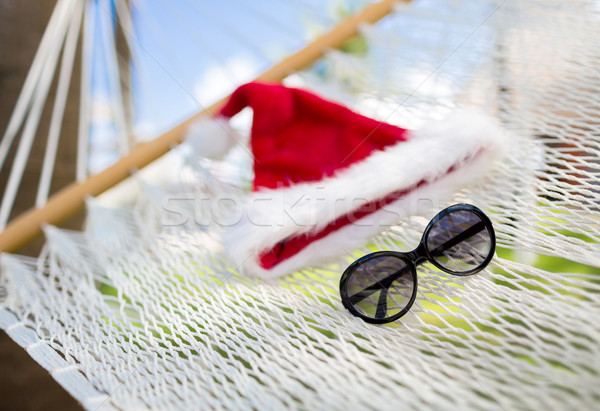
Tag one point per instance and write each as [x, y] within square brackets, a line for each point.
[433, 164]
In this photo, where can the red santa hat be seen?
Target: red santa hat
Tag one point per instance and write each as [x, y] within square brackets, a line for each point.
[327, 179]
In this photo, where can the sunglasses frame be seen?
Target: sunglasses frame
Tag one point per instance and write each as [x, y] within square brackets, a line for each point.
[415, 258]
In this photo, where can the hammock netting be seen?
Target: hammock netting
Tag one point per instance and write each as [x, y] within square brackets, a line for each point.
[134, 312]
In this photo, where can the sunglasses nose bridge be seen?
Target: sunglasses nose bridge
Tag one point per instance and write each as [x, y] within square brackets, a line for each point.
[418, 255]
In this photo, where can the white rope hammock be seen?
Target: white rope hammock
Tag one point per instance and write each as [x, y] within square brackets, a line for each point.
[137, 313]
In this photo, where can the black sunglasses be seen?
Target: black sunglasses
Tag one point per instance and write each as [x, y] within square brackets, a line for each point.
[382, 286]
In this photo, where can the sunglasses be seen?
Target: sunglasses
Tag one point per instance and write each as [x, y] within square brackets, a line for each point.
[382, 286]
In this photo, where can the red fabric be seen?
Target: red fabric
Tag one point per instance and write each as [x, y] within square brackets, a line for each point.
[297, 136]
[293, 245]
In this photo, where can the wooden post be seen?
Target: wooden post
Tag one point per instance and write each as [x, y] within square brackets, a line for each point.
[71, 199]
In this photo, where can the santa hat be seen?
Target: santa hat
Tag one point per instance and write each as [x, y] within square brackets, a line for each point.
[327, 179]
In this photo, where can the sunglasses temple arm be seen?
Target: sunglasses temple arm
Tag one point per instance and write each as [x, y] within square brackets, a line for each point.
[382, 285]
[382, 303]
[468, 233]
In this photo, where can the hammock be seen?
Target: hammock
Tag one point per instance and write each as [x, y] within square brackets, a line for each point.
[137, 312]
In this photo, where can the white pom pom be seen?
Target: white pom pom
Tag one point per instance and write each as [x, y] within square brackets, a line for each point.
[212, 138]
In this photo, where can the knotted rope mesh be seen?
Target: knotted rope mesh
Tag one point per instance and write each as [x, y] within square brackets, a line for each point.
[134, 312]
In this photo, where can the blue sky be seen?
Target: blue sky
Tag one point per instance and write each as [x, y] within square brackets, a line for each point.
[198, 51]
[188, 54]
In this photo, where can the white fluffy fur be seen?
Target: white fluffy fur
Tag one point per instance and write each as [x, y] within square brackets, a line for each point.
[212, 138]
[468, 141]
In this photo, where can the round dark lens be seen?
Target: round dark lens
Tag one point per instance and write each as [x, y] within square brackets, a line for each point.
[460, 241]
[381, 287]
